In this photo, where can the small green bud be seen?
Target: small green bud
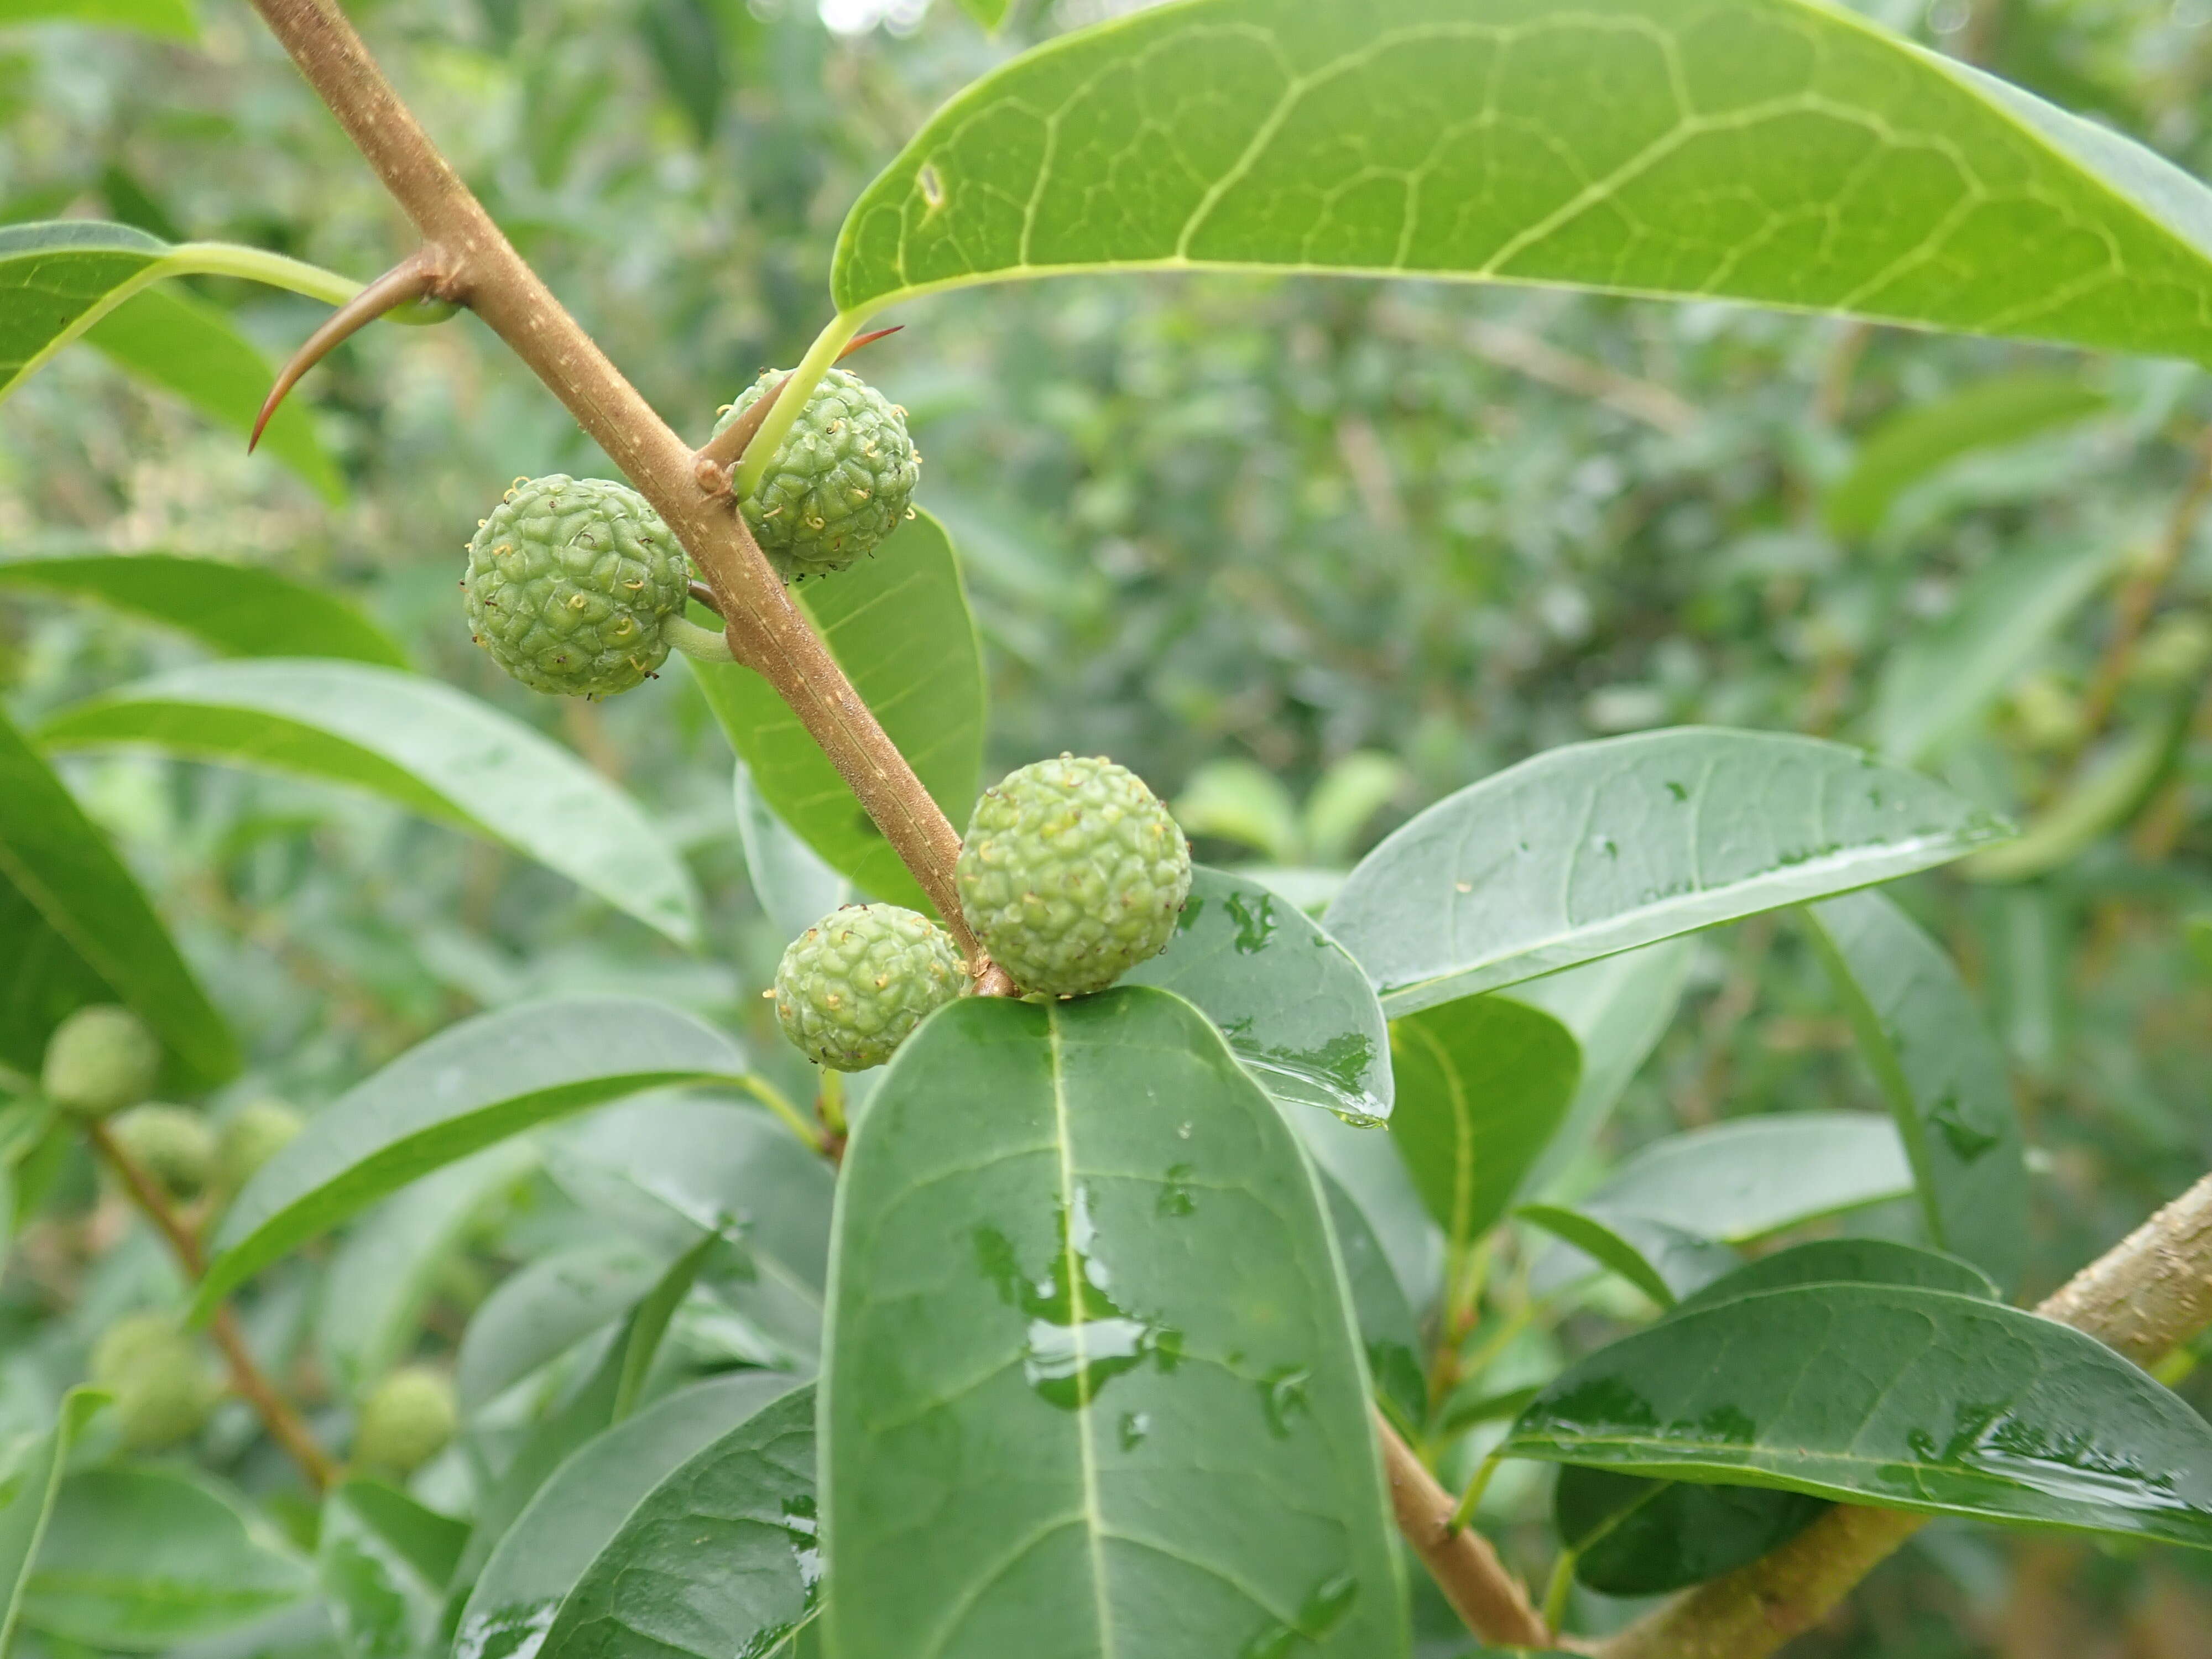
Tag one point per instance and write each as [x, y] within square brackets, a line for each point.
[163, 1390]
[251, 1135]
[406, 1421]
[100, 1059]
[173, 1143]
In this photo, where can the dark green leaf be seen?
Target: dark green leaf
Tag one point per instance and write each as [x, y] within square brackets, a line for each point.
[546, 1309]
[577, 1512]
[239, 609]
[1913, 1399]
[468, 1087]
[1784, 153]
[1597, 847]
[428, 747]
[28, 1486]
[1640, 1537]
[899, 625]
[171, 19]
[137, 1560]
[382, 1560]
[687, 52]
[1922, 437]
[1482, 1084]
[1080, 1256]
[1847, 1260]
[1294, 1006]
[79, 930]
[721, 1558]
[1937, 1060]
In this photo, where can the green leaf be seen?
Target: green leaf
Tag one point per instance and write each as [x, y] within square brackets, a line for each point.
[239, 609]
[541, 1311]
[1242, 801]
[137, 1560]
[473, 1084]
[184, 345]
[1921, 438]
[1296, 1008]
[788, 877]
[2198, 929]
[989, 13]
[79, 930]
[1776, 151]
[1080, 1255]
[1942, 678]
[1846, 1260]
[1482, 1084]
[577, 1513]
[381, 1279]
[1941, 1067]
[721, 1558]
[2101, 799]
[1617, 1008]
[1387, 1329]
[28, 1486]
[898, 623]
[1665, 1263]
[1916, 1399]
[382, 1561]
[423, 744]
[1598, 847]
[170, 19]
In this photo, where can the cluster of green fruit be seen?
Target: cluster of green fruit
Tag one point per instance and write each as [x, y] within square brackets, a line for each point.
[1072, 874]
[576, 586]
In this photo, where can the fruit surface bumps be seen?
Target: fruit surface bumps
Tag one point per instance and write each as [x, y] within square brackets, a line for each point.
[571, 583]
[852, 988]
[173, 1144]
[1072, 874]
[99, 1060]
[163, 1391]
[842, 479]
[406, 1420]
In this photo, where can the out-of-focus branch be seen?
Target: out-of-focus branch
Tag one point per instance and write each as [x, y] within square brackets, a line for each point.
[1474, 1580]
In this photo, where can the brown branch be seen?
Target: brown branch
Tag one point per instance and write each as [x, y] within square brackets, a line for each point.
[1474, 1580]
[284, 1424]
[482, 269]
[2145, 1295]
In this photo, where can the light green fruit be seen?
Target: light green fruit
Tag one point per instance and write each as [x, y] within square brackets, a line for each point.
[173, 1144]
[163, 1389]
[406, 1420]
[251, 1135]
[101, 1060]
[572, 585]
[853, 986]
[841, 482]
[1072, 874]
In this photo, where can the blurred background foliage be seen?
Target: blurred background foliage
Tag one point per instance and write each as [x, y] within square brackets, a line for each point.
[1307, 554]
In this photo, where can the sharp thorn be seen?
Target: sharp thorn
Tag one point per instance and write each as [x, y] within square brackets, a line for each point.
[404, 283]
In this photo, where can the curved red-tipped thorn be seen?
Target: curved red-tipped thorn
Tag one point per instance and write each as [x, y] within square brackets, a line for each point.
[404, 283]
[859, 340]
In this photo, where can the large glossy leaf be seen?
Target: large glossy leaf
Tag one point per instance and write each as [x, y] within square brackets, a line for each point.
[721, 1558]
[28, 1486]
[1922, 437]
[468, 1087]
[1942, 678]
[79, 930]
[1483, 1083]
[239, 609]
[428, 747]
[578, 1513]
[137, 1560]
[1083, 1299]
[898, 624]
[173, 19]
[1914, 1399]
[1744, 1179]
[541, 1311]
[1602, 846]
[1786, 153]
[382, 1560]
[1293, 1004]
[1939, 1065]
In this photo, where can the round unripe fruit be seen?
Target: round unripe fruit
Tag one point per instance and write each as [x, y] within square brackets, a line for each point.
[251, 1135]
[840, 483]
[571, 585]
[101, 1060]
[163, 1393]
[406, 1421]
[173, 1145]
[1072, 874]
[853, 986]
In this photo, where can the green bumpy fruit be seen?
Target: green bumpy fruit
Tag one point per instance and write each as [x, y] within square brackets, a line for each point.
[840, 483]
[251, 1135]
[173, 1143]
[406, 1421]
[101, 1060]
[163, 1392]
[853, 986]
[571, 585]
[1072, 874]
